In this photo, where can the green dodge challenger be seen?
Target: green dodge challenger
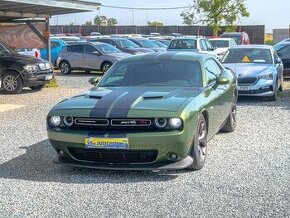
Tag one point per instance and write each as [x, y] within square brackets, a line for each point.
[149, 112]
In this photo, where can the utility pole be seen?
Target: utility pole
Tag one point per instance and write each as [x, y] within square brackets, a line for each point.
[133, 16]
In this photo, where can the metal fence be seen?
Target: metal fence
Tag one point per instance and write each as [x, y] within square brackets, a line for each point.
[256, 33]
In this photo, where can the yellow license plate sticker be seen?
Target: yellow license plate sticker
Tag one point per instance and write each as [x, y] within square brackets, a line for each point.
[109, 143]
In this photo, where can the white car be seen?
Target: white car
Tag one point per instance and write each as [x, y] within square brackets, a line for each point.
[33, 52]
[222, 45]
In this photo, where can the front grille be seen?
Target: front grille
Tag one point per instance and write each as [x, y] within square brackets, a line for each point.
[114, 156]
[247, 80]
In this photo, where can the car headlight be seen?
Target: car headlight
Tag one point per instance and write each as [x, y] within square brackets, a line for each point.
[31, 68]
[55, 121]
[175, 123]
[267, 76]
[160, 123]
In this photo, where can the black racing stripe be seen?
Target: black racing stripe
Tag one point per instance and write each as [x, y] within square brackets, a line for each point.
[123, 106]
[102, 106]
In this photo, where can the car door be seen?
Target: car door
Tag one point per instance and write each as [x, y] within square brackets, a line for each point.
[221, 98]
[284, 54]
[75, 55]
[92, 58]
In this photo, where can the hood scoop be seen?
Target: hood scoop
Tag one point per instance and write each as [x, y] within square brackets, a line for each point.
[94, 96]
[152, 95]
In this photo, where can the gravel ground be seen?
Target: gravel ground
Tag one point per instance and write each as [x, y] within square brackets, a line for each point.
[247, 173]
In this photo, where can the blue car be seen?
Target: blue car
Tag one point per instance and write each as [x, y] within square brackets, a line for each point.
[56, 47]
[258, 68]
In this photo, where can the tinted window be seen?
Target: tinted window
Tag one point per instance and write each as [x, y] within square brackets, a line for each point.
[106, 48]
[236, 37]
[203, 45]
[248, 55]
[127, 44]
[154, 73]
[212, 70]
[75, 48]
[220, 43]
[183, 44]
[90, 49]
[209, 45]
[148, 44]
[159, 44]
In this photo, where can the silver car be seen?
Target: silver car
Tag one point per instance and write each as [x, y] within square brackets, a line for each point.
[88, 57]
[258, 68]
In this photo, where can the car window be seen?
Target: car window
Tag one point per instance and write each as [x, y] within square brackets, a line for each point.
[154, 73]
[183, 44]
[248, 55]
[203, 45]
[106, 48]
[147, 44]
[127, 44]
[220, 43]
[75, 48]
[285, 51]
[209, 45]
[212, 70]
[90, 49]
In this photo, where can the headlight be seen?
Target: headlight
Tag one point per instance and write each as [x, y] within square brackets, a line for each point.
[31, 68]
[160, 123]
[55, 121]
[68, 121]
[267, 76]
[175, 123]
[44, 66]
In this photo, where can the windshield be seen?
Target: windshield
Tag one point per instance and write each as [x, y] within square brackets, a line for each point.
[178, 73]
[148, 44]
[183, 44]
[278, 46]
[6, 50]
[220, 43]
[128, 44]
[165, 42]
[236, 37]
[248, 55]
[159, 44]
[106, 49]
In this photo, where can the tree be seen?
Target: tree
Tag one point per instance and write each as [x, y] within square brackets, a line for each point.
[155, 23]
[214, 13]
[100, 20]
[112, 21]
[88, 23]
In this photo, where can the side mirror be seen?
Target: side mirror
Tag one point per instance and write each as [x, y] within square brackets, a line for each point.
[94, 81]
[278, 61]
[222, 80]
[214, 48]
[97, 53]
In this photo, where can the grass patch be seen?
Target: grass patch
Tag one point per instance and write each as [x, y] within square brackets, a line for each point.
[286, 89]
[52, 83]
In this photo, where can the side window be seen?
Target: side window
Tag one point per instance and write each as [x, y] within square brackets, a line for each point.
[212, 70]
[209, 45]
[90, 49]
[203, 45]
[285, 52]
[75, 48]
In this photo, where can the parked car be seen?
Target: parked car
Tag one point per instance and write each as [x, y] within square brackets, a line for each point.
[284, 40]
[18, 71]
[258, 68]
[124, 45]
[222, 45]
[88, 56]
[148, 112]
[95, 34]
[145, 43]
[68, 39]
[165, 42]
[159, 44]
[33, 52]
[56, 47]
[241, 38]
[193, 44]
[283, 51]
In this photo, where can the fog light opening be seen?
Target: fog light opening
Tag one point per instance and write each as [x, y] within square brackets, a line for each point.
[61, 153]
[173, 157]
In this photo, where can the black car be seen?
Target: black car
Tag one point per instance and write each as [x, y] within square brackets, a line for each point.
[283, 51]
[124, 45]
[18, 71]
[145, 43]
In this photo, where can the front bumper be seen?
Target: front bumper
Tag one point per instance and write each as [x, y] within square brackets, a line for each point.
[165, 143]
[40, 78]
[260, 88]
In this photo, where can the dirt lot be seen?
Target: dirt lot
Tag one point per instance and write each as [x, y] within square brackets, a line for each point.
[247, 173]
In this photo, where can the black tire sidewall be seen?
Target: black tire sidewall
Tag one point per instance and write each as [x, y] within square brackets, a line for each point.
[69, 68]
[18, 79]
[103, 66]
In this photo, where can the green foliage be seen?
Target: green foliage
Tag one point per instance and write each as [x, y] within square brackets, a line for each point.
[155, 23]
[269, 42]
[214, 13]
[100, 20]
[112, 21]
[52, 83]
[88, 23]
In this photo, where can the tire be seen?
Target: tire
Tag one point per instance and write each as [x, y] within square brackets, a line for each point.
[199, 145]
[231, 122]
[275, 95]
[106, 66]
[37, 88]
[12, 83]
[65, 67]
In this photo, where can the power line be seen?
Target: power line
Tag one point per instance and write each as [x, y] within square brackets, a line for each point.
[145, 9]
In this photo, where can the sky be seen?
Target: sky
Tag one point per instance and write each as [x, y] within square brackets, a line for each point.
[273, 14]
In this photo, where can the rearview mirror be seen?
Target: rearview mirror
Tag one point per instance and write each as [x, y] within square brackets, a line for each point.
[222, 80]
[94, 81]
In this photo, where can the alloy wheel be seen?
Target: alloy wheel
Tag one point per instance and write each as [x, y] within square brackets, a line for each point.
[10, 83]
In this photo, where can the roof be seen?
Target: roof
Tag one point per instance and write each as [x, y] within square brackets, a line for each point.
[251, 46]
[17, 9]
[170, 55]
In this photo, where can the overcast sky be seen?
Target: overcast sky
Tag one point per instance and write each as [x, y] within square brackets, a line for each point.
[273, 14]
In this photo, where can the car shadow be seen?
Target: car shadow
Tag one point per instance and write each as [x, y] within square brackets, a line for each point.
[80, 74]
[36, 164]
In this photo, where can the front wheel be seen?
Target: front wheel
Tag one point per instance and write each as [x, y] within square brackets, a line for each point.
[106, 66]
[65, 67]
[12, 83]
[199, 145]
[231, 122]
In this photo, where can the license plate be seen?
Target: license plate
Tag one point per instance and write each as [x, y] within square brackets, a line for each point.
[244, 88]
[109, 143]
[49, 77]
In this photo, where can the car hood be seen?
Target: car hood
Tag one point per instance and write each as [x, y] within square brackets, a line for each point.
[118, 102]
[248, 69]
[118, 55]
[23, 59]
